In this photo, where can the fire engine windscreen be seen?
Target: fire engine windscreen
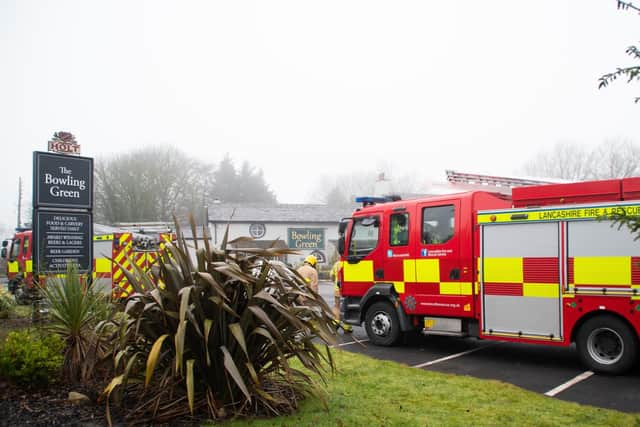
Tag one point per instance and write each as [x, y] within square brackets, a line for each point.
[364, 236]
[15, 249]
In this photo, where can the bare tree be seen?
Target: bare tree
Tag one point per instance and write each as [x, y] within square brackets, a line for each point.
[565, 161]
[342, 190]
[152, 184]
[148, 185]
[614, 158]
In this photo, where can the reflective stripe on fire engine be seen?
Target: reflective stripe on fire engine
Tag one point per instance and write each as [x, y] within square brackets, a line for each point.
[409, 270]
[103, 237]
[28, 265]
[456, 288]
[506, 276]
[556, 214]
[414, 271]
[541, 290]
[13, 266]
[360, 272]
[503, 270]
[399, 287]
[121, 258]
[126, 291]
[615, 270]
[103, 265]
[428, 270]
[527, 336]
[140, 258]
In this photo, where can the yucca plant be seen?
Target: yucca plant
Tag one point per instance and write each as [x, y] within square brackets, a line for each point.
[75, 309]
[215, 337]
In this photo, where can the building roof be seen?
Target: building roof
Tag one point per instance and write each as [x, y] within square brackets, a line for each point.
[285, 213]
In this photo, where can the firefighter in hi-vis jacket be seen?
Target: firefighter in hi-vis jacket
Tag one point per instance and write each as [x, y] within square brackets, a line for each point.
[335, 276]
[309, 273]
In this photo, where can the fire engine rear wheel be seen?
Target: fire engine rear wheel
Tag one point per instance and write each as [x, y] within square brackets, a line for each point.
[606, 344]
[382, 325]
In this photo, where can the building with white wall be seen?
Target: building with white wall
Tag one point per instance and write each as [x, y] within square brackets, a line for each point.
[309, 229]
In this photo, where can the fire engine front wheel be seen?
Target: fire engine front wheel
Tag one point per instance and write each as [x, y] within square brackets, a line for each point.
[607, 344]
[382, 325]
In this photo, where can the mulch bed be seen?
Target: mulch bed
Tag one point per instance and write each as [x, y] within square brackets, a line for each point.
[20, 406]
[24, 406]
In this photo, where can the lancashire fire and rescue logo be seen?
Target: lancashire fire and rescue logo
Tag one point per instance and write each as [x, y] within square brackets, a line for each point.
[64, 142]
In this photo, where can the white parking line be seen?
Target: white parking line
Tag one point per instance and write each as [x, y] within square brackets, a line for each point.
[352, 342]
[562, 387]
[453, 356]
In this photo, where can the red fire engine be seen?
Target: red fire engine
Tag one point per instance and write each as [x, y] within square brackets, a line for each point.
[110, 251]
[543, 266]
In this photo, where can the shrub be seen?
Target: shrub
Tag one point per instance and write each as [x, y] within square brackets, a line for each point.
[75, 309]
[7, 304]
[216, 337]
[30, 358]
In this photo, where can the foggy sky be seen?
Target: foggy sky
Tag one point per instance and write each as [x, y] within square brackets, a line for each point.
[310, 89]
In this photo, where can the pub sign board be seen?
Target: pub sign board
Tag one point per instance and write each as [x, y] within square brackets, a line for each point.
[61, 237]
[62, 181]
[305, 238]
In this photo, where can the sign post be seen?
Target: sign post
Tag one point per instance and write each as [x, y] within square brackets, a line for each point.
[62, 208]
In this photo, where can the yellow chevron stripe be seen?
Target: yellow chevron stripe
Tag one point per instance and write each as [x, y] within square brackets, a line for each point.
[119, 257]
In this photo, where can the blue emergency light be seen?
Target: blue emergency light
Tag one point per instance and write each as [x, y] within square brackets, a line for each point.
[372, 200]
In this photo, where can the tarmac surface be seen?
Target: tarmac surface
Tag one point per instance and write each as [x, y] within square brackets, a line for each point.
[553, 371]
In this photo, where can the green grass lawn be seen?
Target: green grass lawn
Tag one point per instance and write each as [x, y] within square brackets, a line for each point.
[369, 392]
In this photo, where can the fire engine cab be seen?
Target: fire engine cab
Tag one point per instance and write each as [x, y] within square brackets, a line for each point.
[542, 266]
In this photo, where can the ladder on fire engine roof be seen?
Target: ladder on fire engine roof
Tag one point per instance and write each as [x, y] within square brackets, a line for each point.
[454, 177]
[146, 227]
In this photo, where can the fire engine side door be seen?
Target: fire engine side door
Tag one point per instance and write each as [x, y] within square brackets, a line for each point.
[13, 265]
[399, 239]
[364, 255]
[26, 261]
[520, 277]
[442, 285]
